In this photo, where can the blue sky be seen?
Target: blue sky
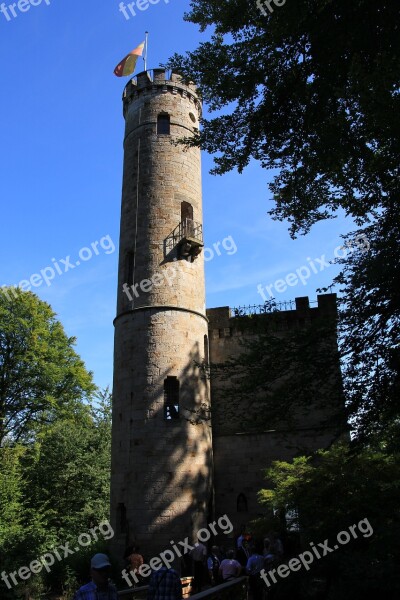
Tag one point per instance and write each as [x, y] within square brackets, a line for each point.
[61, 171]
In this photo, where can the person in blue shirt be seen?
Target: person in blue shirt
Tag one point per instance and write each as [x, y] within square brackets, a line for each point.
[165, 584]
[213, 564]
[254, 565]
[99, 588]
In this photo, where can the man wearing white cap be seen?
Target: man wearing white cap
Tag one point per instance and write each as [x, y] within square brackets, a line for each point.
[99, 588]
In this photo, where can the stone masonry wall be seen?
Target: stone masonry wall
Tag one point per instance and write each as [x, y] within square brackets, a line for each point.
[161, 469]
[241, 456]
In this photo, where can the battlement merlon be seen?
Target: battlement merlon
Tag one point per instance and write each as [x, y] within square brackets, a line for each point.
[223, 316]
[160, 81]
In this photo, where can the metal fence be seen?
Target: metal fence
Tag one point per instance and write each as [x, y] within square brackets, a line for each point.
[237, 589]
[269, 306]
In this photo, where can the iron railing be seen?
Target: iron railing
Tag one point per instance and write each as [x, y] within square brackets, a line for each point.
[232, 590]
[186, 230]
[237, 589]
[134, 593]
[270, 306]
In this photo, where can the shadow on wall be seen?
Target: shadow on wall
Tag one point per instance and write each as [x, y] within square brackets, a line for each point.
[167, 484]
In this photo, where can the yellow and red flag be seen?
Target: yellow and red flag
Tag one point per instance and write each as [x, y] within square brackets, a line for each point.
[128, 64]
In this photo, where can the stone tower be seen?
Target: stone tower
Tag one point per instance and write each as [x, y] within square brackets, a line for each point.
[161, 463]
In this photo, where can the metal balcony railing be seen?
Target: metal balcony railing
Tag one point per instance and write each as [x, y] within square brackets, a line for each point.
[189, 230]
[188, 235]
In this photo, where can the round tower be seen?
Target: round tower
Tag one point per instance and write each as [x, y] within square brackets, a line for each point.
[161, 461]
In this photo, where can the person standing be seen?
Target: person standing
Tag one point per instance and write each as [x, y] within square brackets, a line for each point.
[242, 553]
[99, 588]
[213, 564]
[198, 555]
[255, 564]
[135, 561]
[229, 568]
[165, 584]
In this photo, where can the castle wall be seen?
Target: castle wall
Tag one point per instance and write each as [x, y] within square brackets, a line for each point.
[243, 446]
[240, 462]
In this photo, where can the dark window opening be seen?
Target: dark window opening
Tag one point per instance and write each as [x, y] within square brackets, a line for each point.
[241, 504]
[171, 398]
[121, 518]
[129, 262]
[186, 211]
[163, 124]
[206, 353]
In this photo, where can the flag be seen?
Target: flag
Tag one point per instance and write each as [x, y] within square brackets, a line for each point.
[128, 64]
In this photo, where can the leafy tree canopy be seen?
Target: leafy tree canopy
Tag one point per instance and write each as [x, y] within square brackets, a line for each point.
[311, 89]
[41, 375]
[68, 470]
[370, 333]
[52, 490]
[330, 492]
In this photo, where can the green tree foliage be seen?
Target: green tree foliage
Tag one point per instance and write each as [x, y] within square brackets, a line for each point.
[10, 495]
[21, 529]
[67, 471]
[55, 448]
[41, 376]
[370, 337]
[330, 492]
[311, 90]
[57, 489]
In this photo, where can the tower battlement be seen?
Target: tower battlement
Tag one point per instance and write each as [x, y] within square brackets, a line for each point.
[160, 81]
[225, 322]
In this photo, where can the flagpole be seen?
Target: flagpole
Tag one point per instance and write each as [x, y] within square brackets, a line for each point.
[145, 50]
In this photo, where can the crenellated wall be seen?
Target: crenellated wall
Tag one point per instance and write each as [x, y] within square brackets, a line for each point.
[245, 446]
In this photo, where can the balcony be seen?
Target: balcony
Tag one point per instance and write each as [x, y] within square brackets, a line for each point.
[187, 237]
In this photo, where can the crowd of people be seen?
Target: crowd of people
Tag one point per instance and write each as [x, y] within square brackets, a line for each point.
[208, 568]
[249, 558]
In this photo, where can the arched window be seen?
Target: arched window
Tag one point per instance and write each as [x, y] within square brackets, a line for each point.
[163, 124]
[171, 398]
[187, 219]
[241, 504]
[186, 211]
